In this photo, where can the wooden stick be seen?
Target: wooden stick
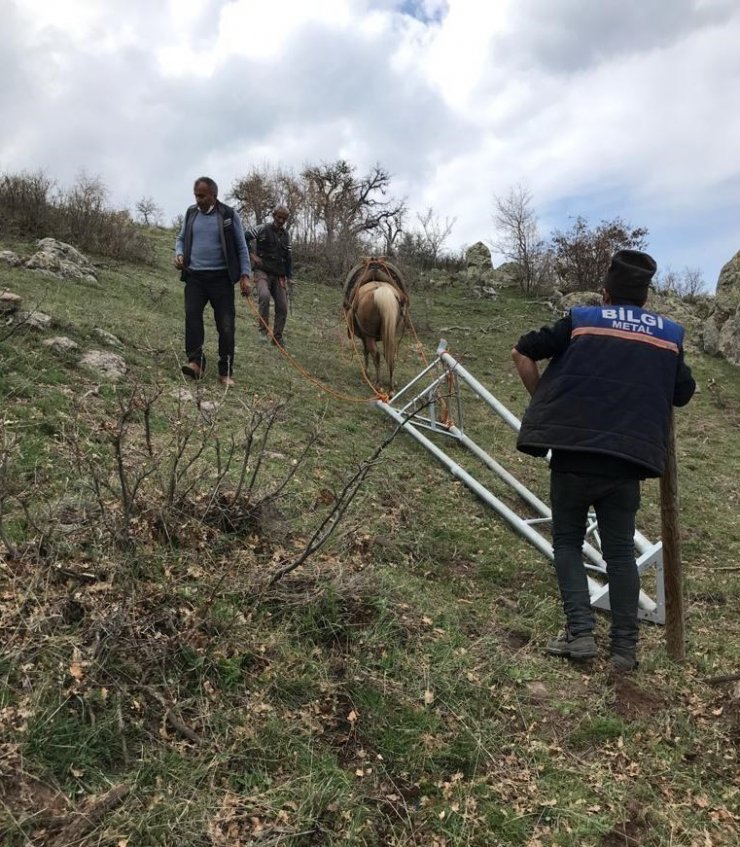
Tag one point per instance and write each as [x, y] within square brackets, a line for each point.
[672, 564]
[718, 680]
[89, 815]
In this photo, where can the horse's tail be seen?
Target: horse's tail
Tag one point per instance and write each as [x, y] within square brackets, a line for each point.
[387, 303]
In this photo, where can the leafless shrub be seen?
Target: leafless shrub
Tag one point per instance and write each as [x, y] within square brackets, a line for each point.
[30, 206]
[582, 254]
[25, 204]
[687, 283]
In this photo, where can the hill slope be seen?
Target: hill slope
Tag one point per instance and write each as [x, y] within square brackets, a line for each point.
[155, 689]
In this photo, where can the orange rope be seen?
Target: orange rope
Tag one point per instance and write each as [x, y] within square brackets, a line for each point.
[447, 419]
[322, 386]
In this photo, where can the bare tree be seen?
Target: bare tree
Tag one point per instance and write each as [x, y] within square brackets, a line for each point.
[346, 211]
[256, 195]
[518, 237]
[148, 211]
[435, 232]
[391, 229]
[582, 254]
[687, 283]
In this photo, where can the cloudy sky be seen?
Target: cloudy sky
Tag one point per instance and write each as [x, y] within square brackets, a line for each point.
[600, 108]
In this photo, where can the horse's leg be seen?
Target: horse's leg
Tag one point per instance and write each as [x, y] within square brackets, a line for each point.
[372, 350]
[366, 351]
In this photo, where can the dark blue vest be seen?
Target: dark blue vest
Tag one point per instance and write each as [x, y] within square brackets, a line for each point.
[226, 232]
[611, 390]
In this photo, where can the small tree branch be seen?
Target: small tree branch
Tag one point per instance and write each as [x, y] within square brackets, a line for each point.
[326, 528]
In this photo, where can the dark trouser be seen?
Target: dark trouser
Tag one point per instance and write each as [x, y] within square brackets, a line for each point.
[214, 287]
[616, 502]
[269, 286]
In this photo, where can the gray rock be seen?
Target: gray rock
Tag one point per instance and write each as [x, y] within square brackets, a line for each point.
[479, 256]
[34, 320]
[729, 339]
[107, 337]
[579, 298]
[208, 409]
[62, 261]
[721, 330]
[710, 337]
[8, 257]
[107, 364]
[9, 302]
[182, 395]
[61, 344]
[507, 275]
[478, 272]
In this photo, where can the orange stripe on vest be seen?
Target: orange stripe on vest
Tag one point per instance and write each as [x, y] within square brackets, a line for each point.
[627, 336]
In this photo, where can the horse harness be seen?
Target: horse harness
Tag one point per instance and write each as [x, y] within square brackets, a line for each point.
[401, 298]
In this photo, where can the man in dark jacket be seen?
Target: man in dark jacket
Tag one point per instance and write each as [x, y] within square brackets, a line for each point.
[212, 254]
[603, 406]
[269, 246]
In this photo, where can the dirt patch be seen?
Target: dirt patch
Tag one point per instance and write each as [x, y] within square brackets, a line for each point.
[515, 639]
[633, 702]
[630, 832]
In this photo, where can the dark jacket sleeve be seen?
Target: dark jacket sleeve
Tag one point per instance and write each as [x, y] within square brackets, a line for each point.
[685, 385]
[546, 342]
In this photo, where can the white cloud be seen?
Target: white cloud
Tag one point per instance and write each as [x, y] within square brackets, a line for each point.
[605, 109]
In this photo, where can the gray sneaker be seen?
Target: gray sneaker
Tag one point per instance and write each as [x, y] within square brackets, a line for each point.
[578, 647]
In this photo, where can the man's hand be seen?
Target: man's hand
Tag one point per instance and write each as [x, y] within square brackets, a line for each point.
[179, 261]
[244, 285]
[255, 260]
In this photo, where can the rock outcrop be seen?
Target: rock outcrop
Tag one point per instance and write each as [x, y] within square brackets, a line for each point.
[61, 260]
[721, 332]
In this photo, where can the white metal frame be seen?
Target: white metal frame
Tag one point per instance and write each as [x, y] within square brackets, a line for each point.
[421, 411]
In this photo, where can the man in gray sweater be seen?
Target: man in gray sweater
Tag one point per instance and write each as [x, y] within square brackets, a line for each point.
[211, 252]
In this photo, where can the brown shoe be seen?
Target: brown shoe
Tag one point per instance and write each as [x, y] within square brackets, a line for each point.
[193, 370]
[226, 380]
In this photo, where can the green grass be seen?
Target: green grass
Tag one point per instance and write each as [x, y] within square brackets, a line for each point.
[390, 691]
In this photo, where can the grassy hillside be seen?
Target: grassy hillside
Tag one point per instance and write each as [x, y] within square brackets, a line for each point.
[156, 689]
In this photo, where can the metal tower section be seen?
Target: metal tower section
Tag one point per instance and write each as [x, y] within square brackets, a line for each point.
[437, 387]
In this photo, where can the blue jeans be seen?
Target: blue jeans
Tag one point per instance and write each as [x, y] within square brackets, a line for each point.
[616, 501]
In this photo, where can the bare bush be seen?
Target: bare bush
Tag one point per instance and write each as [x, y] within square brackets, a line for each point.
[582, 254]
[25, 205]
[687, 283]
[79, 215]
[140, 487]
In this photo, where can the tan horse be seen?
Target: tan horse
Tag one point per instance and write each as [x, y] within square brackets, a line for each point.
[378, 314]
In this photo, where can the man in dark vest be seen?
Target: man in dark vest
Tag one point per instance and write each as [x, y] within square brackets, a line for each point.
[269, 246]
[603, 406]
[212, 254]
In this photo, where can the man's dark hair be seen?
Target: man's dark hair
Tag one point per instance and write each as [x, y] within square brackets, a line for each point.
[206, 180]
